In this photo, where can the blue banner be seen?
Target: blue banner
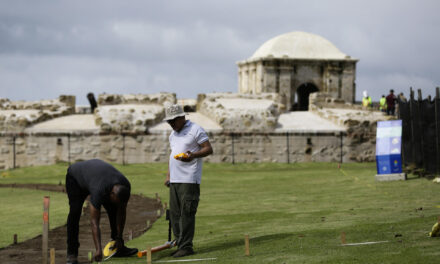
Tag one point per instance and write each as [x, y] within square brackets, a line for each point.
[389, 147]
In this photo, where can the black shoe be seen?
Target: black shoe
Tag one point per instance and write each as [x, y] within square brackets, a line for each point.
[125, 252]
[174, 252]
[183, 252]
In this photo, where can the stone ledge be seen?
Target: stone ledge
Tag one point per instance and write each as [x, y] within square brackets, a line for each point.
[391, 177]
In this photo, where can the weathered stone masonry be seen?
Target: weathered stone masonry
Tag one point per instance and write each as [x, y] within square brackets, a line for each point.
[47, 149]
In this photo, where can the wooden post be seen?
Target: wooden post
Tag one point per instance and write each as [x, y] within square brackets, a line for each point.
[288, 149]
[148, 223]
[15, 239]
[343, 238]
[46, 201]
[148, 255]
[52, 256]
[246, 245]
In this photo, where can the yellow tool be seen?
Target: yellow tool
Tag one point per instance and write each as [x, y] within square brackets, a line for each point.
[109, 250]
[181, 155]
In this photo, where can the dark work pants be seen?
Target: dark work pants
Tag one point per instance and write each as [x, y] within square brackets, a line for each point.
[184, 200]
[76, 200]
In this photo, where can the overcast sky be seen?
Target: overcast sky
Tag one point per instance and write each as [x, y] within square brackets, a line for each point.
[48, 48]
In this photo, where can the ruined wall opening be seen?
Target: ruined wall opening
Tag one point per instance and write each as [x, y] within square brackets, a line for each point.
[302, 96]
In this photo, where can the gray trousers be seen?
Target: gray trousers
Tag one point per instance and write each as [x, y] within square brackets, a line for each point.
[184, 200]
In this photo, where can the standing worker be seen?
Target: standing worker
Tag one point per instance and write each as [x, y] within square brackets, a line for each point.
[107, 187]
[391, 103]
[383, 104]
[366, 101]
[184, 176]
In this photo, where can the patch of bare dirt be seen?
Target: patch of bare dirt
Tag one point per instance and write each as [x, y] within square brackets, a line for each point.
[140, 209]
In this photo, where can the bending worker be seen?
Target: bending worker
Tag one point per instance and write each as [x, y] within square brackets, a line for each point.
[107, 187]
[184, 176]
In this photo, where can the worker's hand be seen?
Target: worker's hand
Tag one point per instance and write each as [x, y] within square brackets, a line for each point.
[98, 256]
[189, 157]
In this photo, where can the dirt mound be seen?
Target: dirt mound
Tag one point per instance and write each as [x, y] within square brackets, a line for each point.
[139, 210]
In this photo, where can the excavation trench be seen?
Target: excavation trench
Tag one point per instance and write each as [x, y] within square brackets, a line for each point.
[140, 211]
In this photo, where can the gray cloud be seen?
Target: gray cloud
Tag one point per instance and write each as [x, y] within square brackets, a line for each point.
[48, 48]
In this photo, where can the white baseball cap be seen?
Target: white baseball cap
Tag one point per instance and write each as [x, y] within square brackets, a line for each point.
[173, 111]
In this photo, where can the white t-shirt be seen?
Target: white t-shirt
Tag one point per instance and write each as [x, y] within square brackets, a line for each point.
[188, 139]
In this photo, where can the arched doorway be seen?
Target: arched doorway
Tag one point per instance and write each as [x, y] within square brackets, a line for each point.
[302, 95]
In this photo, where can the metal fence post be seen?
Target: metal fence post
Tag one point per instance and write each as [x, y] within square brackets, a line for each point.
[14, 152]
[411, 114]
[68, 148]
[123, 149]
[233, 156]
[288, 149]
[437, 127]
[342, 157]
[420, 125]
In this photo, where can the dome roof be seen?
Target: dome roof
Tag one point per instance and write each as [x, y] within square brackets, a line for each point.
[299, 45]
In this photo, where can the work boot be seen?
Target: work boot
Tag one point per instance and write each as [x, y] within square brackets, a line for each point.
[183, 252]
[72, 259]
[174, 252]
[125, 252]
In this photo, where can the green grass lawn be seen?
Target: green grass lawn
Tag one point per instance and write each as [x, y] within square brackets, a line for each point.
[293, 213]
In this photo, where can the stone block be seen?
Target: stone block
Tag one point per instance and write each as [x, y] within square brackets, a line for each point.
[391, 177]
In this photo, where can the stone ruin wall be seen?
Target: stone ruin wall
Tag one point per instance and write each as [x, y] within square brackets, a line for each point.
[360, 139]
[48, 149]
[132, 113]
[243, 118]
[358, 143]
[15, 116]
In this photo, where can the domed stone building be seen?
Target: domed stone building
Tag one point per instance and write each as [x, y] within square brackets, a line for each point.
[296, 64]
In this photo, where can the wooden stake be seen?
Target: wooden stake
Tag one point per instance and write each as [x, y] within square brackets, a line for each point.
[46, 201]
[130, 235]
[148, 223]
[343, 238]
[246, 245]
[148, 255]
[52, 256]
[15, 239]
[164, 206]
